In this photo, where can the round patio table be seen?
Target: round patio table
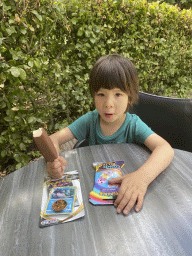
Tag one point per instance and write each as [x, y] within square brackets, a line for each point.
[162, 227]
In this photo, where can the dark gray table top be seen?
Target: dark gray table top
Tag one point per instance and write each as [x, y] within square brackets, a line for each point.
[162, 227]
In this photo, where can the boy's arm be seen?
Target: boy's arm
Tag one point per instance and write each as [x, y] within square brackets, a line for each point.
[56, 168]
[134, 185]
[159, 160]
[61, 137]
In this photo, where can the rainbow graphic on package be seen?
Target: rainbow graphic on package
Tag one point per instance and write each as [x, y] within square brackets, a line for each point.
[103, 192]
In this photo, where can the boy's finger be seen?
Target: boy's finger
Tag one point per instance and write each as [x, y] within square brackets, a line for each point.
[56, 174]
[63, 162]
[139, 204]
[120, 196]
[115, 180]
[125, 201]
[130, 204]
[57, 163]
[54, 165]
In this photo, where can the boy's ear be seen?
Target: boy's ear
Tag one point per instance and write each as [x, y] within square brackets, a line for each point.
[93, 99]
[128, 106]
[127, 110]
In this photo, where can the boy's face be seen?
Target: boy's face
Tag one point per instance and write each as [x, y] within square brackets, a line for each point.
[111, 104]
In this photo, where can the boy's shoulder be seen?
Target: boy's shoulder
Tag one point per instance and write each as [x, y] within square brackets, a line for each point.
[132, 117]
[90, 116]
[133, 120]
[94, 112]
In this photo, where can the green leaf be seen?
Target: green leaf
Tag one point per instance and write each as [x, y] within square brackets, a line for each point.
[11, 21]
[3, 153]
[2, 139]
[80, 32]
[4, 133]
[26, 139]
[22, 74]
[23, 31]
[2, 104]
[30, 63]
[26, 67]
[37, 15]
[1, 40]
[15, 71]
[8, 118]
[18, 166]
[14, 54]
[6, 8]
[31, 28]
[37, 63]
[32, 119]
[93, 40]
[22, 146]
[11, 30]
[74, 21]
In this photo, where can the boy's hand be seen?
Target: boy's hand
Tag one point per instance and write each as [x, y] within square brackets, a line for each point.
[56, 168]
[133, 188]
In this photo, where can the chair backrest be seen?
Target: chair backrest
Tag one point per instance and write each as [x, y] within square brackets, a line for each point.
[171, 118]
[83, 143]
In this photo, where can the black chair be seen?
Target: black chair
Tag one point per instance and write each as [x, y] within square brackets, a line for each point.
[83, 143]
[171, 118]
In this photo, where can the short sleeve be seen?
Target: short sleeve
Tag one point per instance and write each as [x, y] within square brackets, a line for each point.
[80, 127]
[84, 126]
[142, 131]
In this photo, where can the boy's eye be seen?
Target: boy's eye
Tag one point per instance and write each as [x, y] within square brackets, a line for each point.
[118, 94]
[100, 94]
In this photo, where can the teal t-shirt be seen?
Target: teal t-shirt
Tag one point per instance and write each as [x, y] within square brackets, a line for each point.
[88, 126]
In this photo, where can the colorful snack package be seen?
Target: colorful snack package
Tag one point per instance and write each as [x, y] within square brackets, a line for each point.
[103, 192]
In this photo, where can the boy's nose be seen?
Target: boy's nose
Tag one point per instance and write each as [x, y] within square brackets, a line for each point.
[109, 103]
[109, 100]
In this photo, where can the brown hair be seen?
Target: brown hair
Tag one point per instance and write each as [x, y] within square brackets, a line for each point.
[114, 71]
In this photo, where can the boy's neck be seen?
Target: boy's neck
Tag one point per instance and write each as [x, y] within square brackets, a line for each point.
[108, 128]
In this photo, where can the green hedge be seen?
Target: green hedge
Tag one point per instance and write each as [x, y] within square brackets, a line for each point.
[48, 49]
[183, 4]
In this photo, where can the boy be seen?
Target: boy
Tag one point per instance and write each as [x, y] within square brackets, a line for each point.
[114, 88]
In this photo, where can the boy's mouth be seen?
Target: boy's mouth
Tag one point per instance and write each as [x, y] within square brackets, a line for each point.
[108, 115]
